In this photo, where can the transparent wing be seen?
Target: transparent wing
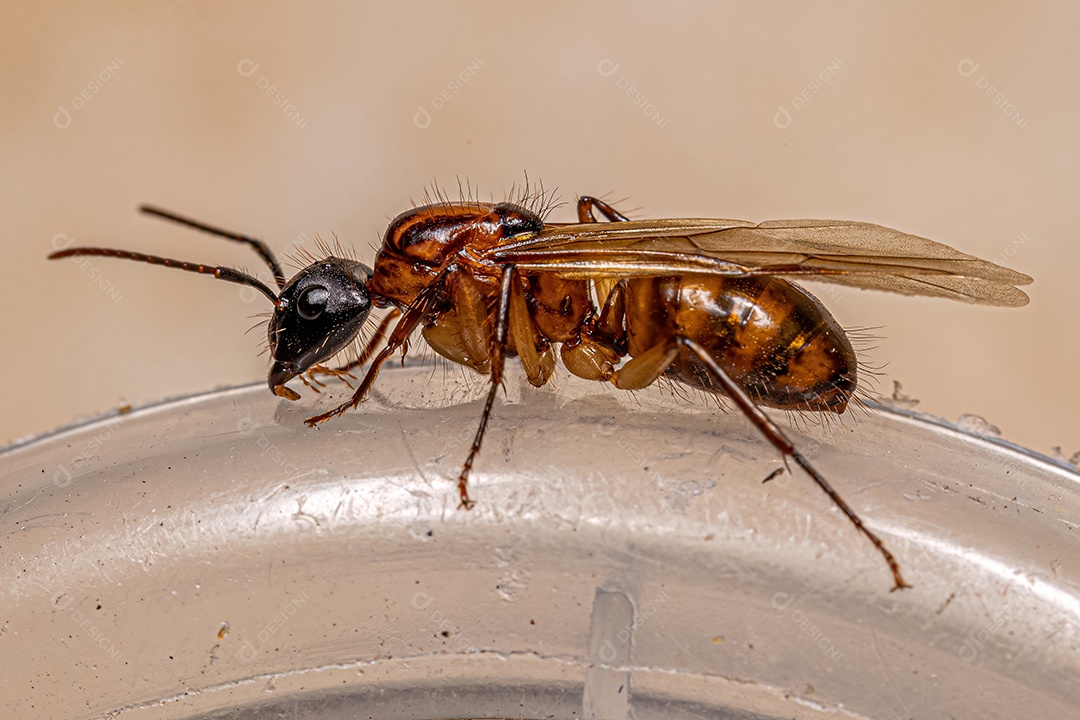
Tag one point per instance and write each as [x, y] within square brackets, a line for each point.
[835, 251]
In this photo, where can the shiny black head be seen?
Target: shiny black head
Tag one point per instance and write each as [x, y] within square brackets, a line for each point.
[318, 313]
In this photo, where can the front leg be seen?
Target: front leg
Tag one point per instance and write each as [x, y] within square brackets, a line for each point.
[369, 348]
[409, 321]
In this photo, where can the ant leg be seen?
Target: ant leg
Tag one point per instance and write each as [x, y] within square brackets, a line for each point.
[343, 372]
[309, 379]
[365, 354]
[601, 342]
[643, 370]
[533, 350]
[380, 333]
[358, 396]
[606, 290]
[611, 324]
[780, 441]
[498, 355]
[409, 321]
[585, 205]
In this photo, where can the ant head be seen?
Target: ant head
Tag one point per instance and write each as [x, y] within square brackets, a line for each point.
[317, 314]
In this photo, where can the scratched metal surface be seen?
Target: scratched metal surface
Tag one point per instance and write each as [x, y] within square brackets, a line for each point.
[211, 555]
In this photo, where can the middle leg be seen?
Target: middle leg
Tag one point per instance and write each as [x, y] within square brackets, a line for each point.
[498, 357]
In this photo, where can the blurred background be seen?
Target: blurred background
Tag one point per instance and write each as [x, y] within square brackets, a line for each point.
[959, 122]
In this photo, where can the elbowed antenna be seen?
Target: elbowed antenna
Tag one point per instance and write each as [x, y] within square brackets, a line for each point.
[221, 273]
[258, 245]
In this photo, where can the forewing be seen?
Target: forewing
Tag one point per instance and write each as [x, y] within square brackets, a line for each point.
[849, 253]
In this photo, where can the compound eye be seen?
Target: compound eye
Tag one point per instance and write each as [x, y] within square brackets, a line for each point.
[312, 302]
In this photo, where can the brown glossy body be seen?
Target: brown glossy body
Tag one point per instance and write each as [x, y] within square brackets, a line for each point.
[774, 339]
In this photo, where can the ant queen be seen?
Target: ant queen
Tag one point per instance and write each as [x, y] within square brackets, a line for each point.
[706, 303]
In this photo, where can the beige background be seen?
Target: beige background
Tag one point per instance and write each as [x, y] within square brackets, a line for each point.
[957, 122]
